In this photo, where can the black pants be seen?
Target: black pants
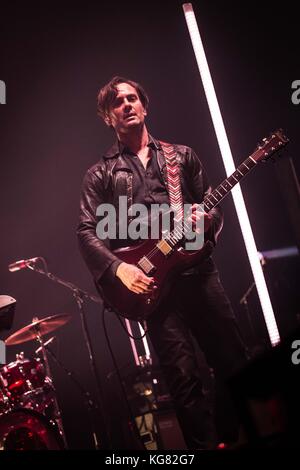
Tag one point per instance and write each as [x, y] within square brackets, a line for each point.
[198, 308]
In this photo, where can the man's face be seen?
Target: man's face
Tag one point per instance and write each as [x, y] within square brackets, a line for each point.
[127, 110]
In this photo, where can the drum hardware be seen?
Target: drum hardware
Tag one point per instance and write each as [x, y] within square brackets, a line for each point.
[24, 386]
[38, 328]
[25, 429]
[81, 295]
[24, 383]
[88, 401]
[4, 396]
[38, 350]
[57, 413]
[30, 382]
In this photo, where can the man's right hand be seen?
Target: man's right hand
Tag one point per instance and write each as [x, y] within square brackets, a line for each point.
[134, 278]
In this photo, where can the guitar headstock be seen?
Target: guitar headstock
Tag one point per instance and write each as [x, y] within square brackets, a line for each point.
[276, 141]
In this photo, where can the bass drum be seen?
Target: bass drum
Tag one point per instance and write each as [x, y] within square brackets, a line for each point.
[24, 429]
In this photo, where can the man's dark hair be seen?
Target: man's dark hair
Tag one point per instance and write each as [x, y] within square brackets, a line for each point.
[108, 93]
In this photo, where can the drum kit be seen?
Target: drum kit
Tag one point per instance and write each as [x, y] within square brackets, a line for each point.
[29, 412]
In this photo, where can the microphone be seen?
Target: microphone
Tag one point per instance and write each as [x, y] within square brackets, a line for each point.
[23, 263]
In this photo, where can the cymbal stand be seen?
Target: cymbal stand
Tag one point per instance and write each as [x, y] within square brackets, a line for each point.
[80, 295]
[57, 413]
[85, 393]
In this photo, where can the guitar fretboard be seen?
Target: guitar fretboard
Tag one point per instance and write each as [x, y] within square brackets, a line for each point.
[213, 198]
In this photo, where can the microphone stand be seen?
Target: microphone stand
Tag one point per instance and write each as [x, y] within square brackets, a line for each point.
[244, 302]
[80, 295]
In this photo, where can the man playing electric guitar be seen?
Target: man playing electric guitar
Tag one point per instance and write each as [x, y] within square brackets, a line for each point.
[196, 308]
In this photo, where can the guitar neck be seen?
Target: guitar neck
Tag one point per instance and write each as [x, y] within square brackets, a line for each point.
[213, 198]
[216, 196]
[276, 141]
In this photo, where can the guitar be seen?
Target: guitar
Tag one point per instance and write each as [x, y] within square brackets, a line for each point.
[165, 258]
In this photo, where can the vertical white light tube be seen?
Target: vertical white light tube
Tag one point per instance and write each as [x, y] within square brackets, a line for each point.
[230, 167]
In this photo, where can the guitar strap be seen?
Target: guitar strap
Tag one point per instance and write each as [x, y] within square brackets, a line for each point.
[173, 179]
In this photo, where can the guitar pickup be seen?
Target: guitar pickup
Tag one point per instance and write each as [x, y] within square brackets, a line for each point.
[146, 265]
[164, 247]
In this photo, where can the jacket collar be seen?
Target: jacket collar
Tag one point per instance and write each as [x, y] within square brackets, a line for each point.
[117, 149]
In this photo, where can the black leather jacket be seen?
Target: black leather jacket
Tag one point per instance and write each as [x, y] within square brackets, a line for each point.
[111, 177]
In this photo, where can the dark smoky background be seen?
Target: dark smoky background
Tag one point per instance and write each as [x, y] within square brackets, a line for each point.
[53, 59]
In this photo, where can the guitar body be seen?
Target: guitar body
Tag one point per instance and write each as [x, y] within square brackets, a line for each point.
[139, 307]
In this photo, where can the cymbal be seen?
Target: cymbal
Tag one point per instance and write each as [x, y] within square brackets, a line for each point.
[38, 327]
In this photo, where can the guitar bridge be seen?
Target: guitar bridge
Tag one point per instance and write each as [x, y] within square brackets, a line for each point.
[146, 265]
